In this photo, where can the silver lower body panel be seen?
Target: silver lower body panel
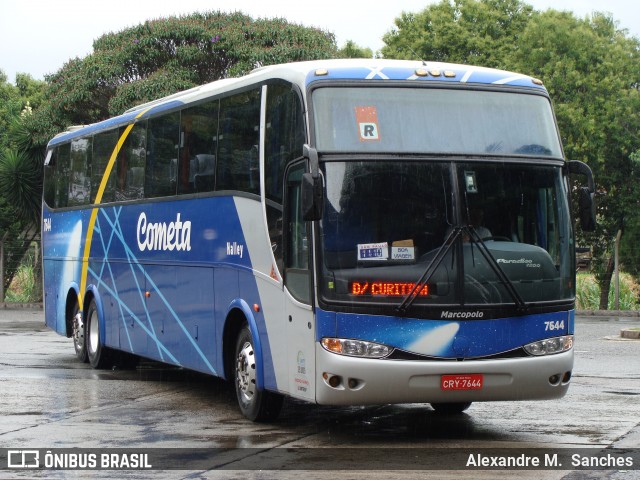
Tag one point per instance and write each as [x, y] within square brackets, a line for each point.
[371, 381]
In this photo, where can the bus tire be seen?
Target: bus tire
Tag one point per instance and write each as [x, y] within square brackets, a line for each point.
[78, 333]
[450, 408]
[99, 355]
[255, 404]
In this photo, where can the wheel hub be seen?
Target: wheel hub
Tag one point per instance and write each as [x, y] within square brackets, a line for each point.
[78, 331]
[246, 372]
[94, 334]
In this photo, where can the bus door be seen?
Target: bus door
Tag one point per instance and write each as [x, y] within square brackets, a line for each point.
[298, 288]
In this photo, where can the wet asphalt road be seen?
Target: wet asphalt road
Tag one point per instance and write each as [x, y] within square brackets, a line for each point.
[49, 400]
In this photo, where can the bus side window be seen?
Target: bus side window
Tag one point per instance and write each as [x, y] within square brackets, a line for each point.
[62, 175]
[103, 146]
[198, 148]
[162, 156]
[50, 178]
[238, 140]
[296, 273]
[285, 135]
[80, 168]
[131, 163]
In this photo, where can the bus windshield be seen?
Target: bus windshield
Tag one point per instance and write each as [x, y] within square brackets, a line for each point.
[385, 222]
[396, 120]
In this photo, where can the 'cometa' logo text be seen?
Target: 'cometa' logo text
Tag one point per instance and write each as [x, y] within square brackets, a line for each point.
[163, 236]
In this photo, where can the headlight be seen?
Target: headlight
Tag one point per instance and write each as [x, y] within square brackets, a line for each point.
[549, 346]
[356, 348]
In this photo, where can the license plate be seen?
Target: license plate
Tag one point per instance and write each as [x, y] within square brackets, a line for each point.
[472, 381]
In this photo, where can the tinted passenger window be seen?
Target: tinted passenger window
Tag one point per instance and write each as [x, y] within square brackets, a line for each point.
[103, 146]
[131, 163]
[297, 274]
[162, 156]
[199, 129]
[80, 171]
[238, 138]
[285, 135]
[50, 178]
[62, 175]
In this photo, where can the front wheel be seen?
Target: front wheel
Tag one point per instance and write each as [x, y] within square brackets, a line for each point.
[99, 355]
[450, 408]
[255, 404]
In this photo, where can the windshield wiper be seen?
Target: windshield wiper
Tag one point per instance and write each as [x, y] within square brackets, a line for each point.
[408, 300]
[442, 252]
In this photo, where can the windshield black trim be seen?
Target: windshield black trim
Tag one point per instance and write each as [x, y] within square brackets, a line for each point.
[389, 307]
[403, 355]
[346, 156]
[435, 312]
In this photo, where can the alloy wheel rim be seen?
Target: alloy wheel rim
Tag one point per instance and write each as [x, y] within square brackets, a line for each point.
[246, 372]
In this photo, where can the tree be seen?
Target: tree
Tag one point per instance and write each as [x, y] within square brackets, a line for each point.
[459, 31]
[592, 72]
[20, 167]
[163, 56]
[351, 50]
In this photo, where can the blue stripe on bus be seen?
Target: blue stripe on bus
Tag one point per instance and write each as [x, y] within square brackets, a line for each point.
[181, 318]
[446, 338]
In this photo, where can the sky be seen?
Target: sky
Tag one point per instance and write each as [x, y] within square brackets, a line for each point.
[39, 36]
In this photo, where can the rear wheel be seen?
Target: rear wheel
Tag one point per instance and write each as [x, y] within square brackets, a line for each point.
[77, 333]
[99, 355]
[257, 405]
[450, 408]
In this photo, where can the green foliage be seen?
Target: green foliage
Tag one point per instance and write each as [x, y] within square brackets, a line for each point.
[20, 182]
[459, 31]
[588, 293]
[351, 50]
[160, 57]
[24, 286]
[13, 231]
[20, 170]
[11, 104]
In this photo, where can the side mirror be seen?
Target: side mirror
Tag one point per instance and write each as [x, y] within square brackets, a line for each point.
[586, 195]
[312, 197]
[587, 206]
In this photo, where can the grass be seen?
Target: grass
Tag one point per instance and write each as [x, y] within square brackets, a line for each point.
[23, 288]
[588, 293]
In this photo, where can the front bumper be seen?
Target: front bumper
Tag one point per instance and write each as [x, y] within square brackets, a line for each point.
[371, 381]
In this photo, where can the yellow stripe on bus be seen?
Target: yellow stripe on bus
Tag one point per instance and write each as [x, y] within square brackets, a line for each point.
[94, 211]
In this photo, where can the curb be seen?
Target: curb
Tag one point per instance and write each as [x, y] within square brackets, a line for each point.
[608, 313]
[20, 306]
[630, 333]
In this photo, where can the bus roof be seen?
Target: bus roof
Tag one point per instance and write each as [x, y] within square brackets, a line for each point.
[308, 72]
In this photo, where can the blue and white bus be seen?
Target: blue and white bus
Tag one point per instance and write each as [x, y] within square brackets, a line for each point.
[343, 232]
